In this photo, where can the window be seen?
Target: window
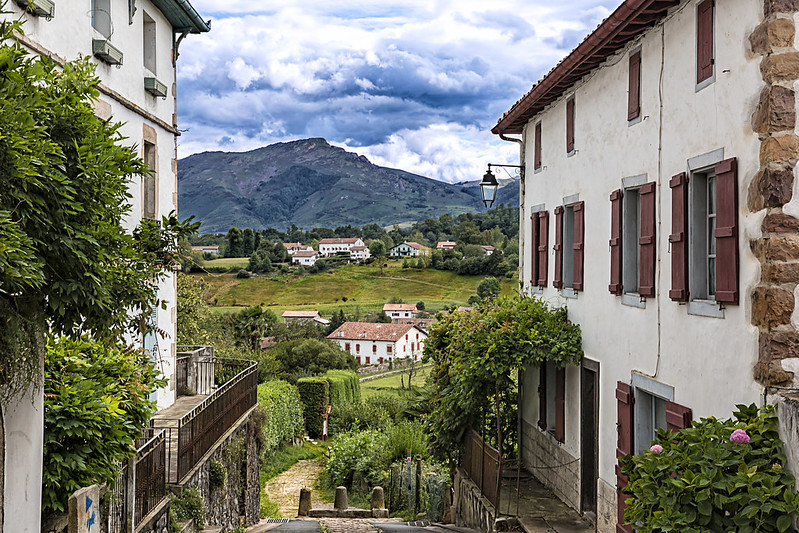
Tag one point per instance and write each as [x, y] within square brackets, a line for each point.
[101, 17]
[537, 152]
[632, 243]
[347, 346]
[704, 44]
[650, 415]
[704, 237]
[357, 348]
[634, 88]
[358, 359]
[389, 349]
[413, 346]
[374, 348]
[150, 183]
[149, 44]
[570, 125]
[367, 360]
[551, 399]
[539, 247]
[569, 237]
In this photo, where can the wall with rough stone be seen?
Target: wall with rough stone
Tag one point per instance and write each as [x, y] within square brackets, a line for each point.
[553, 466]
[159, 523]
[471, 509]
[239, 497]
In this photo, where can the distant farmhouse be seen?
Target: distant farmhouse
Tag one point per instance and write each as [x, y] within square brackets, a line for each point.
[400, 310]
[488, 250]
[359, 253]
[294, 247]
[421, 323]
[304, 257]
[446, 245]
[372, 343]
[328, 247]
[304, 316]
[407, 249]
[213, 250]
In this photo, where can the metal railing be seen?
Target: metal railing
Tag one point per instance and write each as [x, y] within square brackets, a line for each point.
[195, 372]
[117, 500]
[190, 437]
[150, 472]
[482, 463]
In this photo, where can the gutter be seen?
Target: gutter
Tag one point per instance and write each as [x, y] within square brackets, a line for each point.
[199, 25]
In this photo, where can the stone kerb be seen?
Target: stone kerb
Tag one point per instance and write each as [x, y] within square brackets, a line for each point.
[341, 508]
[777, 249]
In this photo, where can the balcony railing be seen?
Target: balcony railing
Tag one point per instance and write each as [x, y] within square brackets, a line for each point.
[482, 463]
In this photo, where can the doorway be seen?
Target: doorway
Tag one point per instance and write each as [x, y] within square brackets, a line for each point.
[589, 435]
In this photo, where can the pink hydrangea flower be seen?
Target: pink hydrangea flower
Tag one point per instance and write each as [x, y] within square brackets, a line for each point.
[656, 448]
[739, 436]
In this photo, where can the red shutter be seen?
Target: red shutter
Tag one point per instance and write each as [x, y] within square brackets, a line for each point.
[727, 231]
[615, 286]
[543, 247]
[634, 95]
[537, 153]
[535, 239]
[704, 41]
[579, 246]
[624, 446]
[560, 404]
[677, 416]
[679, 237]
[646, 273]
[542, 396]
[570, 125]
[557, 276]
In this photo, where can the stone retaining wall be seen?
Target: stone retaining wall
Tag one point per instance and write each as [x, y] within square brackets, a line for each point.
[471, 508]
[551, 464]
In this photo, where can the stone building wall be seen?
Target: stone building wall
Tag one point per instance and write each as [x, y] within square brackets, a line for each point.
[551, 464]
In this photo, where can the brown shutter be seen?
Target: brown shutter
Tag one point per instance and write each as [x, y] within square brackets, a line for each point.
[624, 446]
[543, 247]
[570, 125]
[537, 153]
[677, 416]
[646, 273]
[560, 404]
[542, 396]
[727, 231]
[579, 245]
[534, 249]
[557, 275]
[615, 286]
[704, 41]
[634, 95]
[679, 237]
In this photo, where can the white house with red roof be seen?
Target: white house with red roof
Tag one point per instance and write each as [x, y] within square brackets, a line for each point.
[446, 245]
[294, 247]
[304, 316]
[406, 249]
[659, 160]
[373, 343]
[305, 257]
[400, 310]
[328, 247]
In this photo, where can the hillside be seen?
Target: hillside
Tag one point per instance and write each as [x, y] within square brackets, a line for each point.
[311, 184]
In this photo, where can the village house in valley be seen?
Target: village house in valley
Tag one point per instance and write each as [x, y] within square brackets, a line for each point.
[134, 46]
[407, 249]
[446, 245]
[304, 257]
[658, 204]
[328, 247]
[373, 343]
[304, 316]
[400, 310]
[294, 247]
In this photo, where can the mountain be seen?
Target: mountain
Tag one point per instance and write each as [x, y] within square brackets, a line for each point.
[311, 184]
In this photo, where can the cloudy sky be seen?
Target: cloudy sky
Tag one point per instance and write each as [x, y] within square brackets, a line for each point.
[411, 84]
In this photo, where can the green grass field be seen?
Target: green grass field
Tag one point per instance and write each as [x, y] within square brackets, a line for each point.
[391, 384]
[352, 288]
[227, 262]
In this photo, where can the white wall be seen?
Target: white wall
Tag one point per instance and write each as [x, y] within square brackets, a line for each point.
[708, 361]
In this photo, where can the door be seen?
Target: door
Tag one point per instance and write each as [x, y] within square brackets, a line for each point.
[589, 435]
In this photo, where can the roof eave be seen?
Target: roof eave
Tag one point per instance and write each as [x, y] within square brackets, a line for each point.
[182, 16]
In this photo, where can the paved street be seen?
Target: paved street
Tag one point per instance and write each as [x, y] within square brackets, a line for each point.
[345, 525]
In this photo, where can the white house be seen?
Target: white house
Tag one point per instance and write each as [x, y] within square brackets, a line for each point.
[135, 46]
[400, 310]
[213, 250]
[372, 343]
[446, 245]
[658, 204]
[406, 249]
[304, 316]
[487, 250]
[305, 257]
[328, 247]
[359, 253]
[294, 247]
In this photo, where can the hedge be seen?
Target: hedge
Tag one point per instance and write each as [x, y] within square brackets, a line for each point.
[281, 401]
[315, 397]
[345, 387]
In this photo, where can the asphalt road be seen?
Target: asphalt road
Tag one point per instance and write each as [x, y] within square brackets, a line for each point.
[307, 526]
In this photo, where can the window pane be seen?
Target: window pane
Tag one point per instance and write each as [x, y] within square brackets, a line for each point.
[711, 276]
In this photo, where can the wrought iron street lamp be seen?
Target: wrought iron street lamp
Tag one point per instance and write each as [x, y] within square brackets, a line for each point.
[489, 185]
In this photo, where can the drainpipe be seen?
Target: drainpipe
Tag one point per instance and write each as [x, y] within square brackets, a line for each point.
[521, 206]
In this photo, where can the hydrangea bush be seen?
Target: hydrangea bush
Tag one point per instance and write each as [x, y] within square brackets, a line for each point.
[718, 475]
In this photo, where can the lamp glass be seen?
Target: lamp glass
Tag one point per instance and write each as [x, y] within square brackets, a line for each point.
[488, 188]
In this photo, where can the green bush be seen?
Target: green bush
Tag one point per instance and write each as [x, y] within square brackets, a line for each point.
[309, 357]
[378, 412]
[216, 474]
[718, 475]
[284, 410]
[315, 397]
[189, 507]
[345, 387]
[405, 436]
[361, 454]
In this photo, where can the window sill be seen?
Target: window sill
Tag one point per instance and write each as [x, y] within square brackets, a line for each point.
[634, 121]
[538, 170]
[570, 154]
[707, 308]
[568, 293]
[704, 83]
[535, 289]
[633, 299]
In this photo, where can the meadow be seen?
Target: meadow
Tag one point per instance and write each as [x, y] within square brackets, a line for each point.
[393, 384]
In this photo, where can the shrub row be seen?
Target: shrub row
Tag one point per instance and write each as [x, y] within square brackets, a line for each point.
[345, 387]
[315, 397]
[281, 401]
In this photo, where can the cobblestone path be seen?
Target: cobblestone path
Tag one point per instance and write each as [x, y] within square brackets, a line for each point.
[284, 489]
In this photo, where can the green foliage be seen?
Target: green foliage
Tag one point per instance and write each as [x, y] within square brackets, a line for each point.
[192, 311]
[315, 396]
[216, 474]
[377, 412]
[65, 177]
[702, 481]
[253, 323]
[488, 289]
[281, 401]
[235, 243]
[344, 387]
[476, 356]
[95, 405]
[308, 357]
[189, 507]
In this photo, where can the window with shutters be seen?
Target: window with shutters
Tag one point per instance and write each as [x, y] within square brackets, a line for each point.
[551, 400]
[389, 349]
[569, 243]
[634, 88]
[539, 248]
[650, 415]
[374, 348]
[537, 150]
[705, 61]
[632, 242]
[570, 126]
[150, 183]
[357, 348]
[347, 346]
[702, 226]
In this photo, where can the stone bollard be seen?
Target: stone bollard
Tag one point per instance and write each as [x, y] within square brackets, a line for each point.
[341, 499]
[378, 500]
[305, 502]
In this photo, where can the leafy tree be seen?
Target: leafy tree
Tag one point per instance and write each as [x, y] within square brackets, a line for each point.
[420, 305]
[260, 262]
[66, 264]
[307, 357]
[377, 249]
[253, 323]
[297, 329]
[488, 289]
[336, 321]
[371, 232]
[396, 300]
[235, 243]
[467, 232]
[192, 311]
[247, 242]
